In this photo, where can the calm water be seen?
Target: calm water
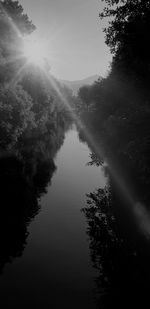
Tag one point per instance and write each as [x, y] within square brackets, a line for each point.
[55, 268]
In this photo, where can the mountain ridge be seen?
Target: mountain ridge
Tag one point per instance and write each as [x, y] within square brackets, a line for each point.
[75, 85]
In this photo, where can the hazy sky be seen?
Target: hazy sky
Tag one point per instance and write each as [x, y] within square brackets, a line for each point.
[74, 31]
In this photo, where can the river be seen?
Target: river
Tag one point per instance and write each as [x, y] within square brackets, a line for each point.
[55, 269]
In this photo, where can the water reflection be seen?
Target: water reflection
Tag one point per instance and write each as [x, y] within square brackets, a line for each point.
[24, 177]
[18, 206]
[120, 252]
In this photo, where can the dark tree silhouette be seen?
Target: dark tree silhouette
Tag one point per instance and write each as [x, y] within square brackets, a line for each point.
[128, 33]
[119, 124]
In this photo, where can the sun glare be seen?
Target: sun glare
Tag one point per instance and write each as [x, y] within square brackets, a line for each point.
[35, 51]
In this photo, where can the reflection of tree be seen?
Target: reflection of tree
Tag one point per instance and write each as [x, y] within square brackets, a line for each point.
[122, 264]
[19, 203]
[24, 177]
[95, 160]
[18, 207]
[102, 231]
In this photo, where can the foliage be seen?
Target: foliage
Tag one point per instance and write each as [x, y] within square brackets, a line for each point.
[127, 34]
[15, 114]
[15, 13]
[31, 101]
[119, 119]
[26, 170]
[14, 24]
[119, 125]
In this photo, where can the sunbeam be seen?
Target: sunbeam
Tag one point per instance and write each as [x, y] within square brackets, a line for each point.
[34, 51]
[137, 210]
[15, 28]
[18, 76]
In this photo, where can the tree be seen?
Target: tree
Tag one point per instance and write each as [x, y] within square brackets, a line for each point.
[15, 114]
[15, 13]
[128, 33]
[14, 24]
[84, 95]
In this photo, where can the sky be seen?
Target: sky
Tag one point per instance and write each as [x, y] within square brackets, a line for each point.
[74, 32]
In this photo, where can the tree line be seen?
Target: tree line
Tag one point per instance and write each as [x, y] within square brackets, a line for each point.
[30, 102]
[116, 111]
[34, 117]
[116, 108]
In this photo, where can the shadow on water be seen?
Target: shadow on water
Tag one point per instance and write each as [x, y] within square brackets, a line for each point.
[24, 177]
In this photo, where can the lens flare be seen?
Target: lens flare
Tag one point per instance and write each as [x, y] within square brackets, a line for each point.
[35, 51]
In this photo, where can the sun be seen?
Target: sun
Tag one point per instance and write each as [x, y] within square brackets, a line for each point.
[35, 51]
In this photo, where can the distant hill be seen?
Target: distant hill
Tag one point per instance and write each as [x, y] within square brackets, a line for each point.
[75, 85]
